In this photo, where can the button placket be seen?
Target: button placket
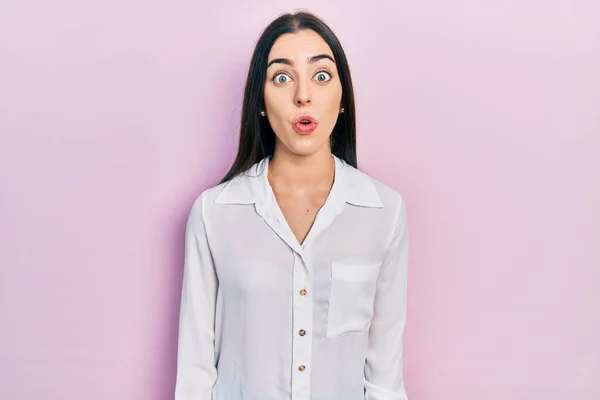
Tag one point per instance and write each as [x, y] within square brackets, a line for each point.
[302, 325]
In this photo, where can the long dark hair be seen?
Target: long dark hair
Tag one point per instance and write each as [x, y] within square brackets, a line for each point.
[257, 139]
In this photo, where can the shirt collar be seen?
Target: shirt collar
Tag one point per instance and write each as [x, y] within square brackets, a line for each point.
[252, 187]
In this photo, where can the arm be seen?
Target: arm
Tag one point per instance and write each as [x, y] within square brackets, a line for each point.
[196, 365]
[383, 368]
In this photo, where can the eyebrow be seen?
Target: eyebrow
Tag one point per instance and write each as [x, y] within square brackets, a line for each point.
[311, 60]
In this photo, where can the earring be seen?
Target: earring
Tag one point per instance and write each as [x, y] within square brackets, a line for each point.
[262, 114]
[342, 110]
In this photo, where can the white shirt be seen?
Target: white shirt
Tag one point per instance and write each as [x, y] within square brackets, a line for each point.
[265, 318]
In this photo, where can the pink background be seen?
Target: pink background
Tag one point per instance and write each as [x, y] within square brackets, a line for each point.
[484, 114]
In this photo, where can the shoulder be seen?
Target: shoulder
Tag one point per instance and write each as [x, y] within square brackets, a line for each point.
[204, 202]
[389, 196]
[367, 185]
[212, 194]
[242, 189]
[390, 200]
[394, 203]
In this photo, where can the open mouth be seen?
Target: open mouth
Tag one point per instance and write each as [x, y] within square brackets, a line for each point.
[305, 124]
[305, 120]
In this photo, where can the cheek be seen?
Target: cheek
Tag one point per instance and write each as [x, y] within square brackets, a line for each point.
[278, 110]
[332, 102]
[334, 97]
[275, 102]
[268, 97]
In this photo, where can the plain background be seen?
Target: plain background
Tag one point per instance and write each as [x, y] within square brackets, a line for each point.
[485, 115]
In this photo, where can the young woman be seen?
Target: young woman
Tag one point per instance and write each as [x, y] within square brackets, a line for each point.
[295, 275]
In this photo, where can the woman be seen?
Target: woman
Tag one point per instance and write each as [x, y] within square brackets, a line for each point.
[296, 264]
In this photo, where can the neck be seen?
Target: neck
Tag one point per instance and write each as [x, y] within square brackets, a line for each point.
[295, 172]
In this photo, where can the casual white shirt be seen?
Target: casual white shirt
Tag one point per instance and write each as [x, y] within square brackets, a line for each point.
[264, 317]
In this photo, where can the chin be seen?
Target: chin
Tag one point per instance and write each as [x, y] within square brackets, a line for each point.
[306, 146]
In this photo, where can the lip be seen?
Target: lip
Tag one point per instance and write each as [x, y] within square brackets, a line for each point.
[305, 129]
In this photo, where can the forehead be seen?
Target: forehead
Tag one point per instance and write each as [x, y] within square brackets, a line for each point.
[303, 44]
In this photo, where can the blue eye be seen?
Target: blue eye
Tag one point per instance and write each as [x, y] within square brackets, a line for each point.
[281, 78]
[323, 76]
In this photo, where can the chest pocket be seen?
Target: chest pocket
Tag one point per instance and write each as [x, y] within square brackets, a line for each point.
[351, 297]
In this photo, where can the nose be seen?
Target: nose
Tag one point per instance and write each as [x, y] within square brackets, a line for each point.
[303, 95]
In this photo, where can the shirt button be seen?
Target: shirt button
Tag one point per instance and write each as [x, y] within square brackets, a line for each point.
[302, 332]
[301, 368]
[303, 292]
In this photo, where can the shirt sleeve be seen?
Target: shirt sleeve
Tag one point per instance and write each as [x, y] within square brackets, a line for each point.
[196, 361]
[383, 367]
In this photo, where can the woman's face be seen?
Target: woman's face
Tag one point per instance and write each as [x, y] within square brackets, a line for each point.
[303, 92]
